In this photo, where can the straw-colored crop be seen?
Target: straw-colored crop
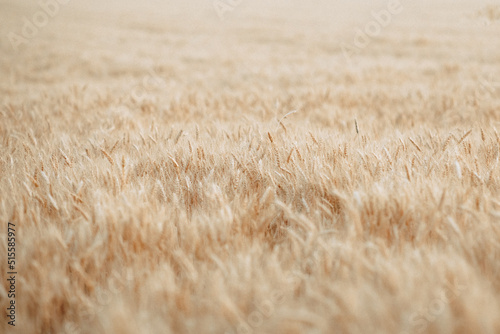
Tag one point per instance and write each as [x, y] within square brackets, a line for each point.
[171, 168]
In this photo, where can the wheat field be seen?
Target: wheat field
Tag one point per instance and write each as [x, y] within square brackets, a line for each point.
[251, 166]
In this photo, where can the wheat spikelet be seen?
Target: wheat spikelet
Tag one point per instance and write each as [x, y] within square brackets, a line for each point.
[408, 175]
[313, 138]
[107, 156]
[289, 155]
[174, 162]
[446, 142]
[464, 136]
[270, 138]
[415, 144]
[178, 137]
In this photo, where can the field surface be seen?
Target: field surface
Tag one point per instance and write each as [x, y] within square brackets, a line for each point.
[250, 166]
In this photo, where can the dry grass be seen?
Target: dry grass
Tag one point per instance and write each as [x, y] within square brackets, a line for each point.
[158, 188]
